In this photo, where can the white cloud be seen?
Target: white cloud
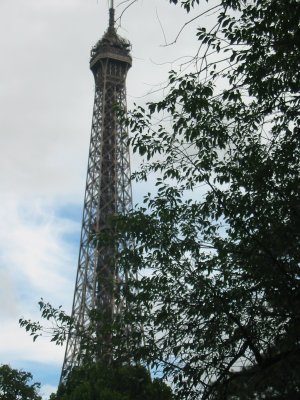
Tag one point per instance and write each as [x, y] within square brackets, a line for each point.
[8, 303]
[46, 390]
[33, 248]
[16, 346]
[36, 261]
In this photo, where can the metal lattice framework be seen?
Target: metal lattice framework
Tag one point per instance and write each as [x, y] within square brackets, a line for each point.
[108, 190]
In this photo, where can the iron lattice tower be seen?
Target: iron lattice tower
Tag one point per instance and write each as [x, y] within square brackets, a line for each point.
[108, 188]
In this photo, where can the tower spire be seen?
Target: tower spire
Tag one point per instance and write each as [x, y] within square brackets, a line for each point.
[111, 14]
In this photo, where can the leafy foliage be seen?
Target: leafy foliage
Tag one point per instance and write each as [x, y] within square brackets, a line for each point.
[114, 382]
[15, 385]
[58, 327]
[220, 309]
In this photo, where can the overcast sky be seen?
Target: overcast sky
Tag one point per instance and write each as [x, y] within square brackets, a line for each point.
[46, 99]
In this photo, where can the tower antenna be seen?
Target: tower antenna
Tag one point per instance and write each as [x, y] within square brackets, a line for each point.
[111, 14]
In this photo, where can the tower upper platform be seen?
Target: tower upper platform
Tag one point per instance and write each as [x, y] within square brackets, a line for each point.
[111, 46]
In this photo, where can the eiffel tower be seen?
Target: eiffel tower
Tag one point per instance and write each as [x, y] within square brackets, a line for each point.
[107, 191]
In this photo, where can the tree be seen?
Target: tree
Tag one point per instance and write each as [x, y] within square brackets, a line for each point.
[220, 309]
[112, 382]
[15, 385]
[120, 380]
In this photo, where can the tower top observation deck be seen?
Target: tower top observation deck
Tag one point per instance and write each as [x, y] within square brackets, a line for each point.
[111, 45]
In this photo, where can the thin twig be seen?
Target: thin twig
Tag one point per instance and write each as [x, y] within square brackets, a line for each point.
[188, 22]
[161, 27]
[126, 8]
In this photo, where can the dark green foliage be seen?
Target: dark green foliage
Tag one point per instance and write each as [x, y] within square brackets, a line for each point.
[15, 385]
[221, 309]
[103, 382]
[59, 323]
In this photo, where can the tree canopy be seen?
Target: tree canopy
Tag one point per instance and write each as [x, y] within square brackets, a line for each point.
[112, 382]
[220, 308]
[16, 385]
